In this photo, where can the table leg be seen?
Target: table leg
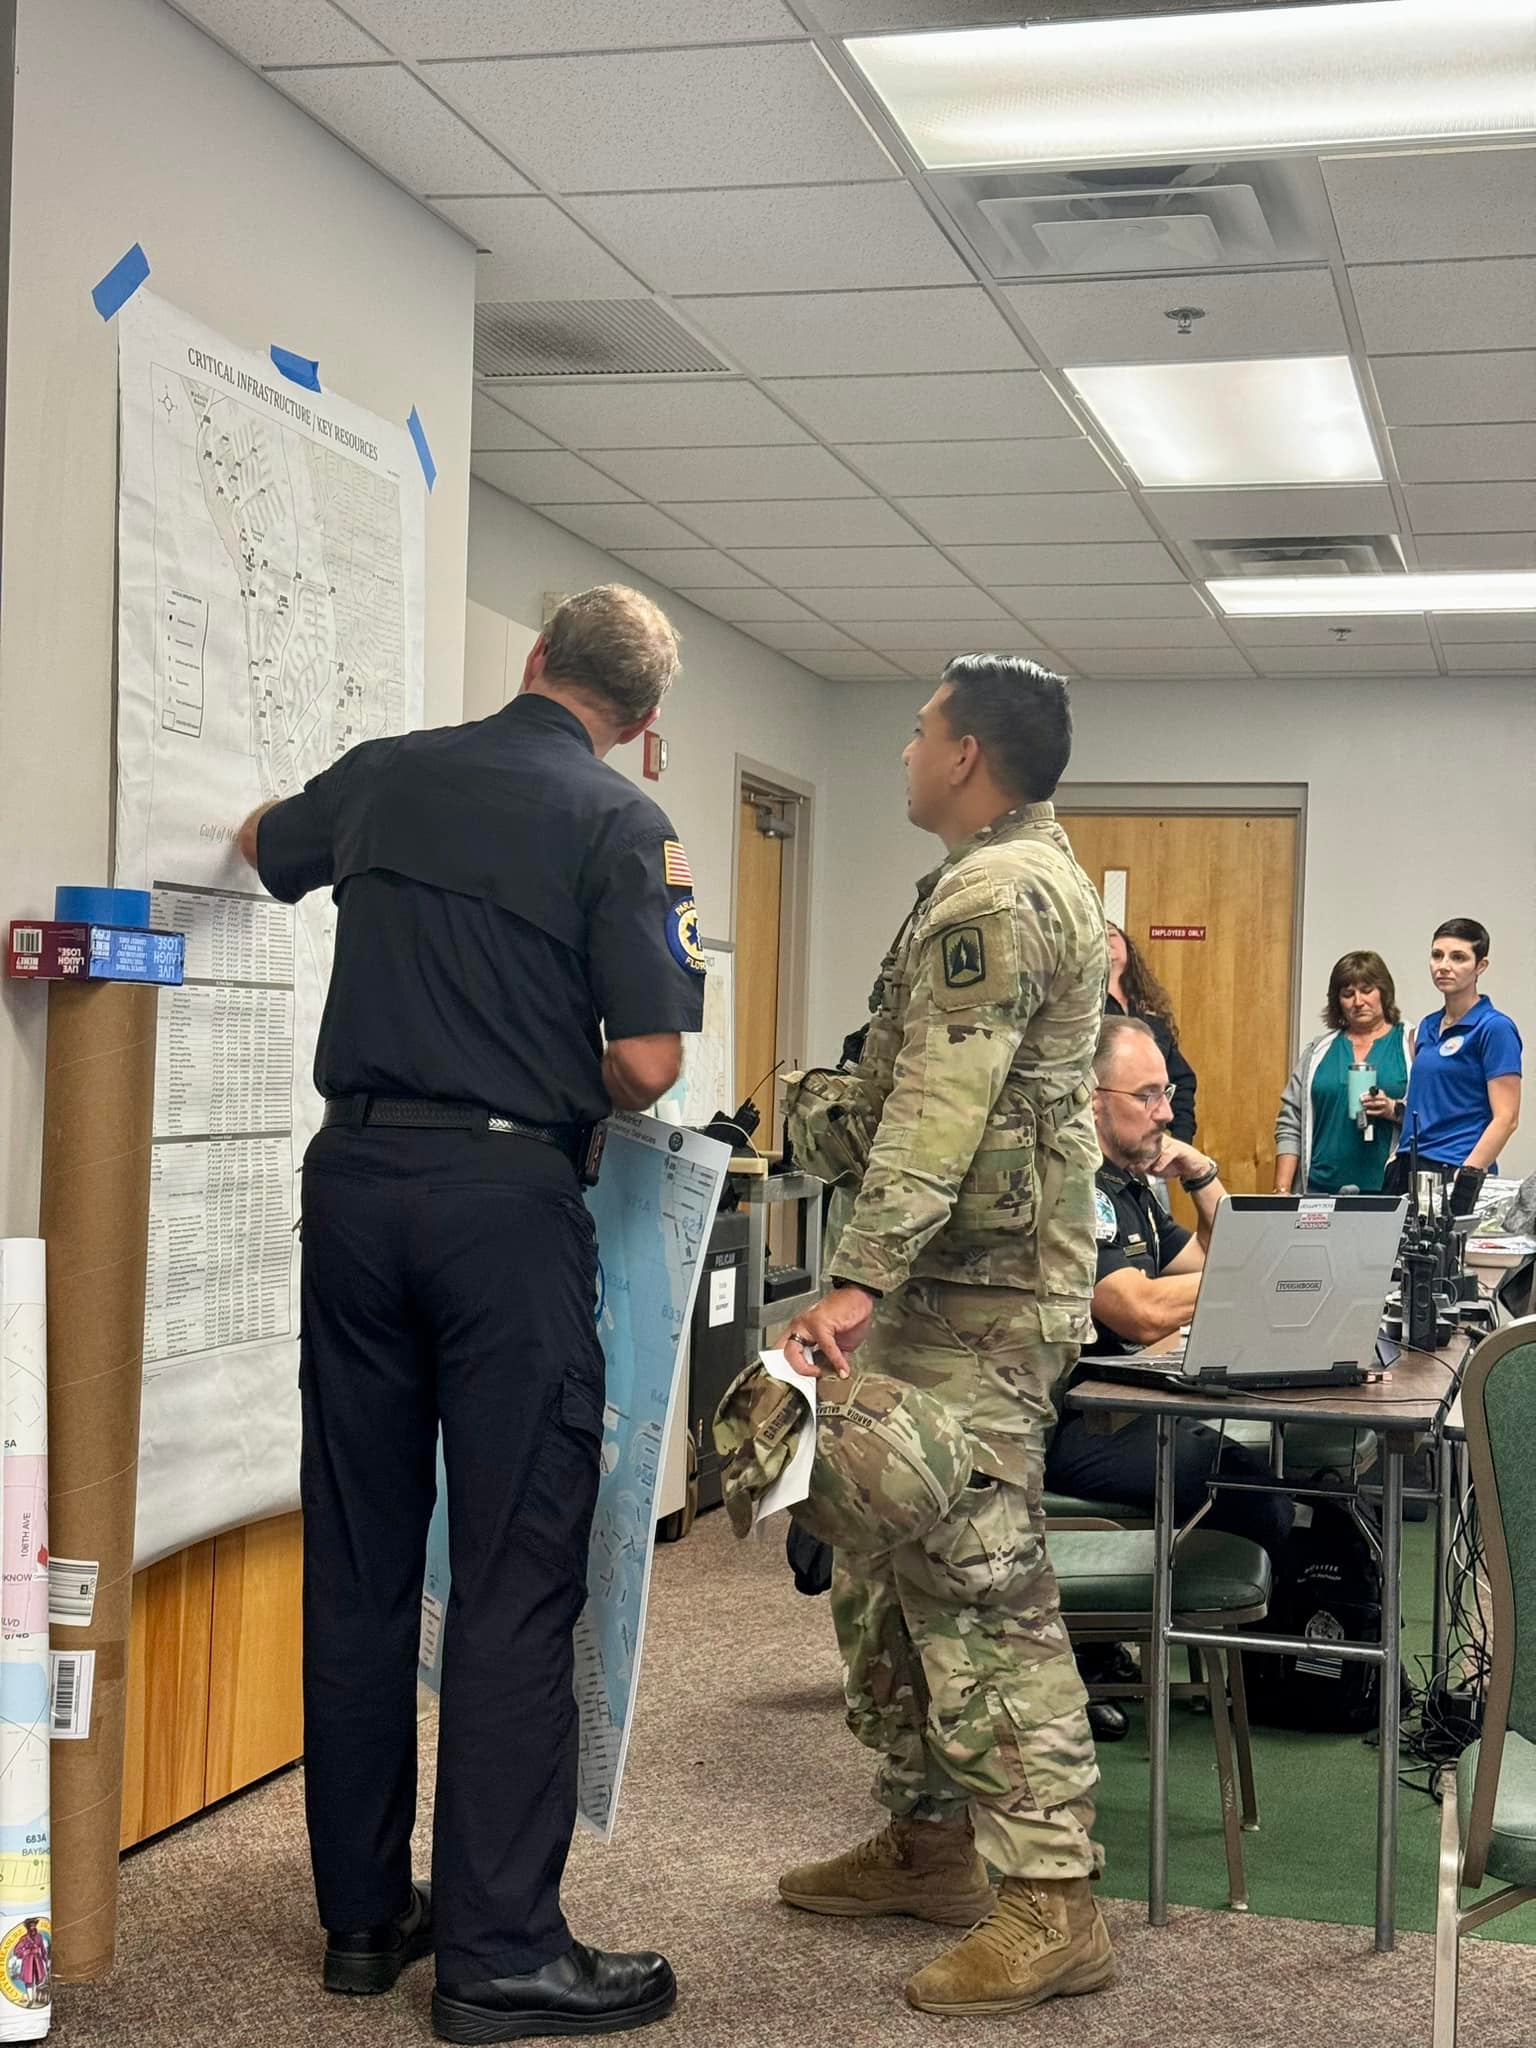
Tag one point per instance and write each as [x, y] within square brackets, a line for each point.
[1445, 1470]
[1391, 1670]
[1158, 1674]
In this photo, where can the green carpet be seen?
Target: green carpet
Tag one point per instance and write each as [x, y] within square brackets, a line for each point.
[1314, 1856]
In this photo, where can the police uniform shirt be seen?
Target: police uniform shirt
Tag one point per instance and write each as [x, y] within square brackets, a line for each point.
[1132, 1229]
[502, 893]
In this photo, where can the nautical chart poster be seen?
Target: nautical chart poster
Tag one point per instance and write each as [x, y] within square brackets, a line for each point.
[271, 614]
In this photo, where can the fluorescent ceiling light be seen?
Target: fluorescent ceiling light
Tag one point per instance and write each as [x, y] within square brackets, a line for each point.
[1290, 420]
[1324, 596]
[1173, 87]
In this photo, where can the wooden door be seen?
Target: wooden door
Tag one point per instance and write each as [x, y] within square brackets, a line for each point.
[166, 1743]
[255, 1694]
[759, 922]
[1232, 880]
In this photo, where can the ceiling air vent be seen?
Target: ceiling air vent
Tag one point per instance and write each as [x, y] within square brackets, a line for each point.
[587, 338]
[1375, 554]
[1139, 221]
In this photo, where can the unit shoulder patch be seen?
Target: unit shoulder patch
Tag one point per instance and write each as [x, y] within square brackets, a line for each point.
[1105, 1225]
[974, 961]
[683, 935]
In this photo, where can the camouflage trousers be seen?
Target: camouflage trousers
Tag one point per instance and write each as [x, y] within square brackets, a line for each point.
[957, 1667]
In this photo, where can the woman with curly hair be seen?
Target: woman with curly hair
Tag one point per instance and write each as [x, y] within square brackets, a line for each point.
[1135, 991]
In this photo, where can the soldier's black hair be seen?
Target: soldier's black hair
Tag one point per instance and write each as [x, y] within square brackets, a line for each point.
[1018, 714]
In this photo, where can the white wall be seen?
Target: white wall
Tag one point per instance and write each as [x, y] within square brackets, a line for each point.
[1418, 809]
[733, 697]
[133, 126]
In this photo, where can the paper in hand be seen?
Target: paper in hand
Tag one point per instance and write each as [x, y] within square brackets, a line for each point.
[794, 1482]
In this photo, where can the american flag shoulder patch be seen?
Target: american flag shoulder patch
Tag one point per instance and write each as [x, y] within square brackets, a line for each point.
[675, 863]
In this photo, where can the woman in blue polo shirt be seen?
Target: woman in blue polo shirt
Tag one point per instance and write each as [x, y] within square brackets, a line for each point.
[1463, 1099]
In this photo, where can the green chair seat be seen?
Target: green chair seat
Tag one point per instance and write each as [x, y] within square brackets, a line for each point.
[1109, 1571]
[1061, 1507]
[1311, 1446]
[1512, 1845]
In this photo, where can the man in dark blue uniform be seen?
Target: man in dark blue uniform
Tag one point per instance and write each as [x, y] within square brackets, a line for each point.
[507, 902]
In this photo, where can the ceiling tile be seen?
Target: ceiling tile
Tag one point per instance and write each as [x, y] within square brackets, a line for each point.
[283, 31]
[697, 566]
[1047, 515]
[1478, 658]
[1070, 634]
[763, 114]
[1471, 508]
[777, 238]
[965, 405]
[802, 522]
[389, 117]
[851, 668]
[1495, 626]
[898, 636]
[630, 414]
[1160, 661]
[705, 473]
[1485, 454]
[903, 467]
[535, 252]
[556, 479]
[1434, 308]
[742, 606]
[1477, 551]
[1346, 660]
[875, 568]
[1124, 320]
[876, 602]
[492, 426]
[1428, 203]
[1435, 390]
[1101, 601]
[803, 637]
[522, 28]
[852, 332]
[1401, 629]
[926, 664]
[1048, 562]
[854, 17]
[1255, 515]
[619, 526]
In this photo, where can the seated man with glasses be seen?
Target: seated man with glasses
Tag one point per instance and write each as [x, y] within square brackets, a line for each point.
[1148, 1277]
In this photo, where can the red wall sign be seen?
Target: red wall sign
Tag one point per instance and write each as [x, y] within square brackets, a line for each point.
[1177, 931]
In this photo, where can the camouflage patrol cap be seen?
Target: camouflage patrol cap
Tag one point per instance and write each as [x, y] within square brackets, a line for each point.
[891, 1460]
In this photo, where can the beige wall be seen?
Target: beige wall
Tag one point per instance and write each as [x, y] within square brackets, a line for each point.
[133, 126]
[1418, 809]
[734, 696]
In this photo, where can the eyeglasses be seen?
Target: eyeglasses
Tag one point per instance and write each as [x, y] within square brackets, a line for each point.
[1149, 1098]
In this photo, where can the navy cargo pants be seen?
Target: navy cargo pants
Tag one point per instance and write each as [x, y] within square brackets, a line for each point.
[447, 1276]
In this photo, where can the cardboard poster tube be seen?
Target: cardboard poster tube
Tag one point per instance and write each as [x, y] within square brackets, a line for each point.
[98, 1118]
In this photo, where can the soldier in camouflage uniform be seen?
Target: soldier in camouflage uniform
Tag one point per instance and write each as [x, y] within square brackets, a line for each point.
[968, 1263]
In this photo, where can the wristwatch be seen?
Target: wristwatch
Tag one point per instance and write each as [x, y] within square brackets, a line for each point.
[1193, 1187]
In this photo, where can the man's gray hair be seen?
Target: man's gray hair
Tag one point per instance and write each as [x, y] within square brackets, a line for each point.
[1111, 1034]
[616, 647]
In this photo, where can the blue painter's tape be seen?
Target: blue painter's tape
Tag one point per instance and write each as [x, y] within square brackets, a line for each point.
[101, 906]
[297, 369]
[419, 436]
[121, 282]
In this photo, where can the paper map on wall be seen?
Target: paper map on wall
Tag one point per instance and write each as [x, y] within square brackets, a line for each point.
[271, 602]
[653, 1210]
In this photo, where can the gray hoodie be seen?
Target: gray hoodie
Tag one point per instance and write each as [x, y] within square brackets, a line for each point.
[1293, 1125]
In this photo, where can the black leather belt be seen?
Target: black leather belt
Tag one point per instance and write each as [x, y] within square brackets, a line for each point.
[407, 1114]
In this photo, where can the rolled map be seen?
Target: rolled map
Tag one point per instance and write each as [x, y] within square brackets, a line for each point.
[26, 1925]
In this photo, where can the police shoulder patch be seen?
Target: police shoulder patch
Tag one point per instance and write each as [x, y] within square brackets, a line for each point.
[1105, 1225]
[683, 935]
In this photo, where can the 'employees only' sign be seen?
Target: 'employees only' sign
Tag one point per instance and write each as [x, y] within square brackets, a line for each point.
[1177, 931]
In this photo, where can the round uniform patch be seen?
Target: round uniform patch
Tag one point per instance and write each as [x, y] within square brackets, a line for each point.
[1450, 1045]
[1105, 1227]
[683, 935]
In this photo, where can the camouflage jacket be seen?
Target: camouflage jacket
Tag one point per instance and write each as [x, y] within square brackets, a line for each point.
[975, 1080]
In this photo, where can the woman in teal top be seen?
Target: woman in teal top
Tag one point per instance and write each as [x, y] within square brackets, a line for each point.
[1319, 1147]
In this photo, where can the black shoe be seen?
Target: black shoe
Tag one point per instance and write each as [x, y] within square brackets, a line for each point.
[370, 1959]
[1107, 1664]
[585, 1991]
[1107, 1721]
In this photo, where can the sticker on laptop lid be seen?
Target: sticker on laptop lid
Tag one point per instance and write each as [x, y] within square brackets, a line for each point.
[1314, 1212]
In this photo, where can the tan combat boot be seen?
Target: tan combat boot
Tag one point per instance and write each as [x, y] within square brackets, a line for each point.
[927, 1868]
[1045, 1939]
